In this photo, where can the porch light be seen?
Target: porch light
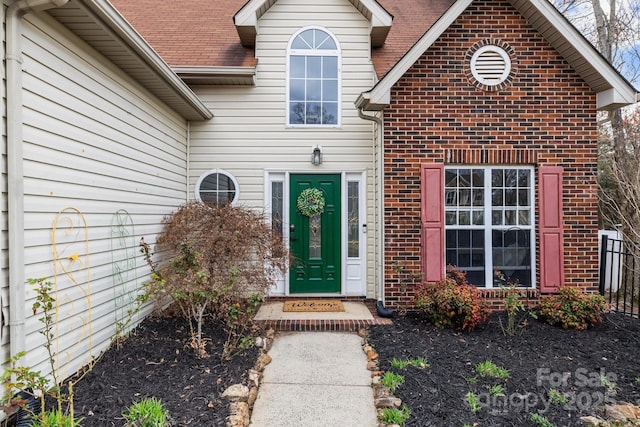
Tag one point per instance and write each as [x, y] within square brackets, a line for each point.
[316, 156]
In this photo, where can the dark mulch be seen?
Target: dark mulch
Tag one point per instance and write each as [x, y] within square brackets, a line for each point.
[155, 362]
[543, 357]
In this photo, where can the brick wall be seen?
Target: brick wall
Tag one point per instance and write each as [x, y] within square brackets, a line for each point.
[545, 114]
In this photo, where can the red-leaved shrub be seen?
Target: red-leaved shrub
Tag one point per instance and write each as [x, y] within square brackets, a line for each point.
[451, 303]
[573, 309]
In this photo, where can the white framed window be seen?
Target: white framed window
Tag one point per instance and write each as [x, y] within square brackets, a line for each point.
[489, 224]
[490, 65]
[313, 79]
[217, 187]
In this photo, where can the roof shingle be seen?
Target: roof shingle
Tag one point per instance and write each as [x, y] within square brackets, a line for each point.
[202, 32]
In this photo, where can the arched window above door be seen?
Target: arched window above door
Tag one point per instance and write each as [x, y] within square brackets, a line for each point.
[313, 79]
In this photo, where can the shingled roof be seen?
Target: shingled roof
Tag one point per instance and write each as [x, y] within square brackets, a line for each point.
[201, 33]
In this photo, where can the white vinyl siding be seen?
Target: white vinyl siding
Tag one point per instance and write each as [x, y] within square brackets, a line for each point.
[249, 134]
[97, 143]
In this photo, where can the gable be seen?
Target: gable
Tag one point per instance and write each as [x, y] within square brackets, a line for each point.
[246, 20]
[611, 88]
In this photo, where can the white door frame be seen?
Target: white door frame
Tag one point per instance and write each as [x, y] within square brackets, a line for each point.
[354, 269]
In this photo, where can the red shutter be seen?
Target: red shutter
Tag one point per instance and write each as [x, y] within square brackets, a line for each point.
[550, 227]
[432, 219]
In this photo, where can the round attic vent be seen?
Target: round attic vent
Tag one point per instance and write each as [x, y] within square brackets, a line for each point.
[490, 65]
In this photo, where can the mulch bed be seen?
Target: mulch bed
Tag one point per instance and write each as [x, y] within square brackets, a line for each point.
[156, 362]
[597, 366]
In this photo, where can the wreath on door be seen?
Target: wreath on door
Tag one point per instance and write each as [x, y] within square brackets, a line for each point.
[311, 202]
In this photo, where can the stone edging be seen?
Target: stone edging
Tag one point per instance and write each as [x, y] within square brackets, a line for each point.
[241, 397]
[382, 396]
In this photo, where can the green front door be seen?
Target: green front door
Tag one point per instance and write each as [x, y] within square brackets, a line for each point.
[315, 240]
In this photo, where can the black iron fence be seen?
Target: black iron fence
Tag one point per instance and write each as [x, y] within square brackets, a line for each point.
[619, 276]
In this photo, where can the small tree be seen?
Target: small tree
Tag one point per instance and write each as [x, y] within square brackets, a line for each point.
[216, 257]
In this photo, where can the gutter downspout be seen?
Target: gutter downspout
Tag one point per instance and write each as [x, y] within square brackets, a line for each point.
[188, 160]
[378, 212]
[15, 172]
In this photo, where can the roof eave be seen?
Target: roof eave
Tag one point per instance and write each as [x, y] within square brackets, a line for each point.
[127, 48]
[235, 76]
[611, 88]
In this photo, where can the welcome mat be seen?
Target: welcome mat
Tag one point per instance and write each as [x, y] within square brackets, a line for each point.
[313, 305]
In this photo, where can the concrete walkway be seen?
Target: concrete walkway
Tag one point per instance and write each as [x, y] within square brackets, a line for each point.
[315, 379]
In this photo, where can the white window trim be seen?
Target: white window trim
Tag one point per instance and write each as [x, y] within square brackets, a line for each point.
[488, 227]
[221, 172]
[337, 52]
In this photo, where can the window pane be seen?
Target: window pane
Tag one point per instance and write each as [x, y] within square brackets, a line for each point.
[314, 68]
[523, 197]
[450, 178]
[464, 218]
[451, 218]
[465, 197]
[496, 217]
[510, 197]
[510, 217]
[296, 113]
[330, 90]
[313, 113]
[497, 178]
[496, 198]
[326, 42]
[512, 256]
[225, 197]
[277, 203]
[523, 178]
[313, 90]
[510, 177]
[478, 178]
[330, 67]
[209, 183]
[478, 217]
[329, 113]
[297, 67]
[478, 197]
[208, 197]
[315, 236]
[225, 183]
[464, 178]
[353, 219]
[523, 217]
[296, 90]
[306, 37]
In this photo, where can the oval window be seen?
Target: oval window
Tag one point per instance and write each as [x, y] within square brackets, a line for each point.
[217, 187]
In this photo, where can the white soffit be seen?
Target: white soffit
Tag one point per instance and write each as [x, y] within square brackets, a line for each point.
[100, 25]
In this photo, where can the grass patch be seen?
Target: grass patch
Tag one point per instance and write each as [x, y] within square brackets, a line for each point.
[556, 397]
[395, 415]
[392, 381]
[490, 369]
[541, 420]
[472, 401]
[416, 362]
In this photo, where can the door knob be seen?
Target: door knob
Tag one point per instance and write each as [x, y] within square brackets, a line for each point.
[292, 228]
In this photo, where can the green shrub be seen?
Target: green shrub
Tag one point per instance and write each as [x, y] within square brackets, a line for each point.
[451, 303]
[149, 412]
[572, 309]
